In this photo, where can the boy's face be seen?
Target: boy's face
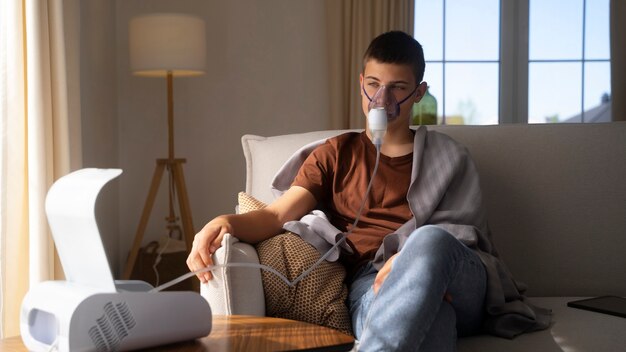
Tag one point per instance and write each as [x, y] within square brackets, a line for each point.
[401, 81]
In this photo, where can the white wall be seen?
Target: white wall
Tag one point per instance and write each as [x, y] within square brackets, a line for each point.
[266, 74]
[98, 101]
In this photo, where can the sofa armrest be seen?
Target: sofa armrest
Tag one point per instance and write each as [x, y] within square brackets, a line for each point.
[235, 290]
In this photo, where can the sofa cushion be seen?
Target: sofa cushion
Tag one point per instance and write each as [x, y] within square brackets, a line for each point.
[555, 197]
[571, 330]
[265, 155]
[319, 298]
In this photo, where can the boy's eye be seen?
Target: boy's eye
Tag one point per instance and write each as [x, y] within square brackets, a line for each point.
[373, 84]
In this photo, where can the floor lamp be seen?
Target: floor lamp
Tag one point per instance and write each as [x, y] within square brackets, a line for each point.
[166, 45]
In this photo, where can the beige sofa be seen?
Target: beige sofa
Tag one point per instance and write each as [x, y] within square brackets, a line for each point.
[556, 202]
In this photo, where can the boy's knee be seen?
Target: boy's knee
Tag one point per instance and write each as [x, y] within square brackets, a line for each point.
[431, 236]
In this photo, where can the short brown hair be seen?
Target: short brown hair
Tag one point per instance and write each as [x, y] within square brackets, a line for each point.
[397, 47]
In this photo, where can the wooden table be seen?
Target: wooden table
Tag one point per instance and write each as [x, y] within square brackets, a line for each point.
[247, 333]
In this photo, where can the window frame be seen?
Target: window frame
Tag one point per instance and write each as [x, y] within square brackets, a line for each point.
[514, 22]
[514, 62]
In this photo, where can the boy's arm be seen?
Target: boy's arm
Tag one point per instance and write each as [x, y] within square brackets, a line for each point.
[251, 227]
[259, 225]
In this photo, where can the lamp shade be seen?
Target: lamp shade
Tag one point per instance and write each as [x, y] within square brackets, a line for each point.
[162, 43]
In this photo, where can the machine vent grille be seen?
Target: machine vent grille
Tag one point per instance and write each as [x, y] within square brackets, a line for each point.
[112, 327]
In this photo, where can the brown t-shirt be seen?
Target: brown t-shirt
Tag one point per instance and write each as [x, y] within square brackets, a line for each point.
[337, 174]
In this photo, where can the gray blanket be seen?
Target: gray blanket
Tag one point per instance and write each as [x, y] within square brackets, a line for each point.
[444, 191]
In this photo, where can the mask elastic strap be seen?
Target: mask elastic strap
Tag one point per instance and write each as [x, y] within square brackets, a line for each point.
[400, 102]
[368, 97]
[407, 98]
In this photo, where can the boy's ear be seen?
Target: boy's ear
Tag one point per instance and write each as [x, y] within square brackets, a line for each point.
[420, 91]
[361, 83]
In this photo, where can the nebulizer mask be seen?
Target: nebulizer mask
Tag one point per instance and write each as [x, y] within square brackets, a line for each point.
[382, 109]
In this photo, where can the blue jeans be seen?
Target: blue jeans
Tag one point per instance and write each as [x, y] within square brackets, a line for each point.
[409, 313]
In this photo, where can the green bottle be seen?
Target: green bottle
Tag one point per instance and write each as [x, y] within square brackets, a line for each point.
[425, 112]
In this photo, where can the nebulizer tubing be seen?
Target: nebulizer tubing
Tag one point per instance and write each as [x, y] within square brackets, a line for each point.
[218, 266]
[377, 123]
[356, 221]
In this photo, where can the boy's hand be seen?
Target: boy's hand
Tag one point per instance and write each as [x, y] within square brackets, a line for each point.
[383, 273]
[205, 243]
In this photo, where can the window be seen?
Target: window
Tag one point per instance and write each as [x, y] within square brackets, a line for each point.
[462, 57]
[569, 66]
[498, 61]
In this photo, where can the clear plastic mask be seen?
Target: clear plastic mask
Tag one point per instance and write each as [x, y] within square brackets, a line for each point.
[384, 98]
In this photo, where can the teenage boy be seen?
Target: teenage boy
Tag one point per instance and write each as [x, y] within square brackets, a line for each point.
[421, 253]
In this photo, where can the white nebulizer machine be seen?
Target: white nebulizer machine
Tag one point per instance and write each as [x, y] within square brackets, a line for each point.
[90, 311]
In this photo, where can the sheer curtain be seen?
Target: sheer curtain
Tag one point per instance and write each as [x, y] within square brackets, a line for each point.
[35, 142]
[351, 25]
[618, 59]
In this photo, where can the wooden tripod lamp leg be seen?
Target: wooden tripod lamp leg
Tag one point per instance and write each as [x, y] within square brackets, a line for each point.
[185, 210]
[183, 201]
[145, 215]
